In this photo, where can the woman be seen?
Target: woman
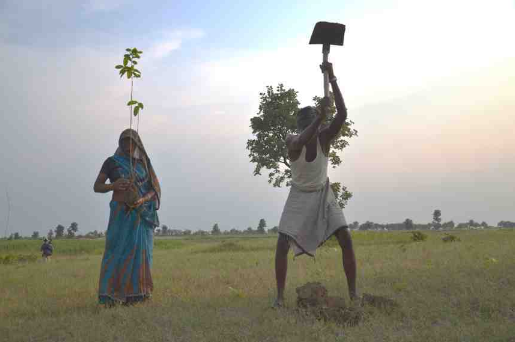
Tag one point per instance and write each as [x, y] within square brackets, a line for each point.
[125, 273]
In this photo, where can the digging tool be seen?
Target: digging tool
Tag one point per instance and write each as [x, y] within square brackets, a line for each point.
[327, 34]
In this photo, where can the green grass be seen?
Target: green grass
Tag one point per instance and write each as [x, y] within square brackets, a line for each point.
[220, 289]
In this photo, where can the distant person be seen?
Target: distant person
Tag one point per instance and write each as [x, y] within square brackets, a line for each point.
[47, 249]
[125, 271]
[311, 214]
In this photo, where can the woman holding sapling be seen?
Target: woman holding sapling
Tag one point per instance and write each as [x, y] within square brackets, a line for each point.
[125, 272]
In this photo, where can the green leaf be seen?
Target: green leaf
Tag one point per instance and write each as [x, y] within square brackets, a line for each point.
[134, 50]
[140, 105]
[119, 66]
[140, 52]
[129, 50]
[136, 111]
[133, 102]
[122, 72]
[135, 62]
[125, 61]
[129, 73]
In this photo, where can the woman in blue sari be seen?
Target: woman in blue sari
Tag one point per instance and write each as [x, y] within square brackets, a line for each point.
[125, 272]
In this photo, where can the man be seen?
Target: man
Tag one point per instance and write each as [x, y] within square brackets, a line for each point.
[47, 249]
[311, 214]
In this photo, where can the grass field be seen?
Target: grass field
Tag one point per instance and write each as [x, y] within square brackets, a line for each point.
[221, 289]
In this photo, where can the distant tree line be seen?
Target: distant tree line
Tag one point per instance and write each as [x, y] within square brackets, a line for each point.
[60, 232]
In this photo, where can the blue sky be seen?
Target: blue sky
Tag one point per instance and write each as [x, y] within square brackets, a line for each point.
[428, 84]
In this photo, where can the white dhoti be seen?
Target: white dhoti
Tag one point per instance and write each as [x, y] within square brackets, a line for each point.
[310, 218]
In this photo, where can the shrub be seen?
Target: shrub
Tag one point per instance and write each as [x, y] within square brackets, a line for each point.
[450, 238]
[418, 236]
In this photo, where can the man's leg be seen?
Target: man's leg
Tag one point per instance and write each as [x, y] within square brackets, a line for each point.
[348, 259]
[281, 267]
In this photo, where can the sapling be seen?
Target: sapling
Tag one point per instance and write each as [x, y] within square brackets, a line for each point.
[128, 69]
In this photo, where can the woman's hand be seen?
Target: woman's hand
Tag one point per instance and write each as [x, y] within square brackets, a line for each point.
[139, 202]
[121, 184]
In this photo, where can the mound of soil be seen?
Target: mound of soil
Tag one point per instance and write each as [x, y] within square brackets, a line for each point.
[313, 299]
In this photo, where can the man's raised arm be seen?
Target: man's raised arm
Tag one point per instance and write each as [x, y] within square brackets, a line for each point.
[341, 111]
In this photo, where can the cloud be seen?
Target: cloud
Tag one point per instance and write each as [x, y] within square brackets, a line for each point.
[103, 5]
[172, 41]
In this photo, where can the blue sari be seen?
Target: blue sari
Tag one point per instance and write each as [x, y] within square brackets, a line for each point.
[125, 273]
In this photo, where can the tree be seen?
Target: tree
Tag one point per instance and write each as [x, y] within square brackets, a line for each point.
[448, 225]
[506, 224]
[261, 226]
[164, 229]
[35, 235]
[187, 232]
[408, 224]
[17, 236]
[74, 227]
[484, 224]
[275, 120]
[366, 226]
[274, 230]
[249, 230]
[437, 218]
[215, 230]
[59, 231]
[50, 234]
[354, 225]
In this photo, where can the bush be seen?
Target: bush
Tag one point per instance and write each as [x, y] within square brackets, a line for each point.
[450, 238]
[418, 236]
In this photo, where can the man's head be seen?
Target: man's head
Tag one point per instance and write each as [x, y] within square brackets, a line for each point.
[305, 117]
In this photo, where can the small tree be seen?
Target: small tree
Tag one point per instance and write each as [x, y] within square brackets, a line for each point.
[408, 224]
[215, 230]
[484, 224]
[354, 225]
[50, 234]
[275, 120]
[74, 228]
[261, 226]
[249, 230]
[164, 229]
[17, 236]
[35, 235]
[437, 218]
[59, 231]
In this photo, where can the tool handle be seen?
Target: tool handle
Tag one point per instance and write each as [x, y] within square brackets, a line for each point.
[325, 51]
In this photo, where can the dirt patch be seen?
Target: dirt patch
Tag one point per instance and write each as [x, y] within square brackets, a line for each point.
[313, 299]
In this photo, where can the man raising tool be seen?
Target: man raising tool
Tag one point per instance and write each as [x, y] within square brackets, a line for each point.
[311, 214]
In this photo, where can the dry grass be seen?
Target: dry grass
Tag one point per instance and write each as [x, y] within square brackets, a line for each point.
[209, 290]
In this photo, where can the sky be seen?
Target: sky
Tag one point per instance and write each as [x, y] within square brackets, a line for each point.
[429, 85]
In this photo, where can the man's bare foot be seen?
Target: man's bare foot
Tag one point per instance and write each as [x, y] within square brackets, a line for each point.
[278, 303]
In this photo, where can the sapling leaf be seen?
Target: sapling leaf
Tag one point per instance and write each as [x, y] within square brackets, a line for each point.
[134, 50]
[128, 49]
[133, 102]
[140, 52]
[135, 63]
[140, 105]
[119, 66]
[136, 111]
[125, 61]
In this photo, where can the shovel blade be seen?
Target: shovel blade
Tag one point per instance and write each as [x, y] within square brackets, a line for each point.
[326, 33]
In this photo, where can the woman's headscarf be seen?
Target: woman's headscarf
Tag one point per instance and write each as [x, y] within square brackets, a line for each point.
[141, 154]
